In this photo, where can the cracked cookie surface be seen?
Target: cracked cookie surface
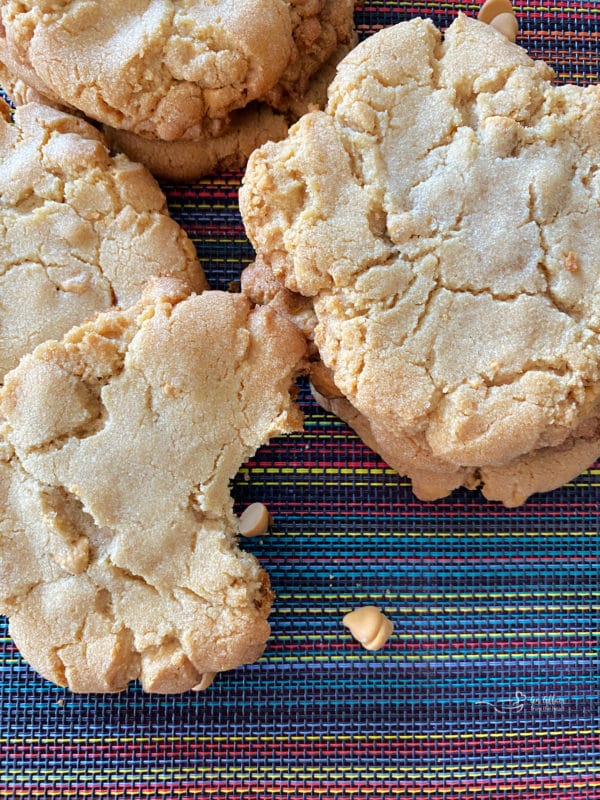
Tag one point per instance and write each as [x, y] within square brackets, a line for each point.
[442, 217]
[244, 130]
[118, 542]
[80, 229]
[169, 69]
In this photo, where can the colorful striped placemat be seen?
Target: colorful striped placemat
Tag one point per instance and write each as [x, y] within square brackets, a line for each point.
[489, 687]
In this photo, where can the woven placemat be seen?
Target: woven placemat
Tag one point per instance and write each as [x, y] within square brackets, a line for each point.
[489, 687]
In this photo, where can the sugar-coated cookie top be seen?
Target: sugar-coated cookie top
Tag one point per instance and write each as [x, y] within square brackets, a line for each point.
[170, 69]
[443, 215]
[117, 537]
[80, 229]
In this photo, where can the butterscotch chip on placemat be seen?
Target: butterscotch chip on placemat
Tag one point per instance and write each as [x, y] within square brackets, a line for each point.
[118, 542]
[80, 229]
[442, 217]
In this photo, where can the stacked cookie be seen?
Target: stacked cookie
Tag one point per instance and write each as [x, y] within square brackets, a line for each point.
[434, 232]
[118, 437]
[185, 88]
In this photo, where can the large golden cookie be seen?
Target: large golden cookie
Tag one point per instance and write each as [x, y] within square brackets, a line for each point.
[158, 72]
[442, 216]
[118, 555]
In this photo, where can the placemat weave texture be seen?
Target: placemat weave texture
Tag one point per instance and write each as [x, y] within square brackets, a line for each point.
[490, 685]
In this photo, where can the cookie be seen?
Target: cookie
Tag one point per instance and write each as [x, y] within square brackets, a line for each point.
[246, 129]
[539, 471]
[170, 73]
[118, 542]
[20, 93]
[80, 229]
[187, 160]
[442, 217]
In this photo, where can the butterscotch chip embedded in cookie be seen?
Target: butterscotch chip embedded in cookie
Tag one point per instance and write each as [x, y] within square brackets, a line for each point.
[507, 25]
[118, 541]
[442, 217]
[80, 229]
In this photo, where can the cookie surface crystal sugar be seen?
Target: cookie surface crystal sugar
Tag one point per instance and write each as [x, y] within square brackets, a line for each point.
[80, 229]
[432, 216]
[118, 553]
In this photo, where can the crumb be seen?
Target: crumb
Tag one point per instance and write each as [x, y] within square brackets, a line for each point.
[571, 262]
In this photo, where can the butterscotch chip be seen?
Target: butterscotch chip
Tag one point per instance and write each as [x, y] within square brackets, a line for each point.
[207, 680]
[80, 229]
[571, 262]
[118, 539]
[494, 8]
[369, 626]
[254, 521]
[507, 25]
[426, 216]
